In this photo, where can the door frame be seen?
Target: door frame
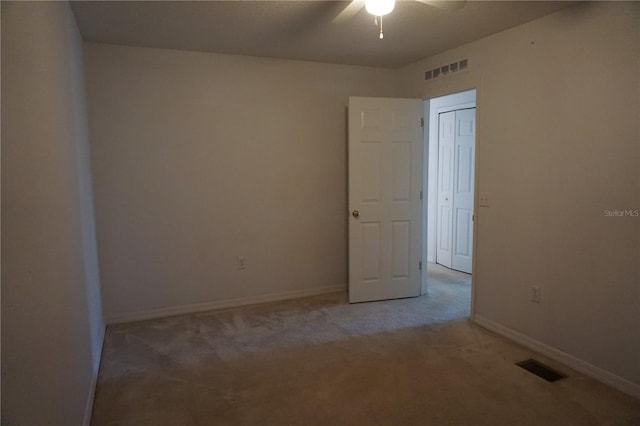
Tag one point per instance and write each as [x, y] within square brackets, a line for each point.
[432, 108]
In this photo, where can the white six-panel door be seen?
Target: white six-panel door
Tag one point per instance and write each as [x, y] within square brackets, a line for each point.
[385, 173]
[463, 190]
[455, 189]
[444, 214]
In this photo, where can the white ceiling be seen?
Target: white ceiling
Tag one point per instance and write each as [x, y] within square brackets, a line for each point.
[301, 29]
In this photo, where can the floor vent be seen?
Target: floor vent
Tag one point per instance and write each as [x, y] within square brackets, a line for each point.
[541, 370]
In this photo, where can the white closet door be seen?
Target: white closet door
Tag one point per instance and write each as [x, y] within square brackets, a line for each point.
[444, 213]
[456, 153]
[462, 238]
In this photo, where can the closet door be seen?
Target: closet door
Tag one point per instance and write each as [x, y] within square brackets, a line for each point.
[463, 169]
[456, 153]
[444, 212]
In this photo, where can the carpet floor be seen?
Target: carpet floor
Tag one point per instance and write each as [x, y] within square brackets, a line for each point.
[321, 361]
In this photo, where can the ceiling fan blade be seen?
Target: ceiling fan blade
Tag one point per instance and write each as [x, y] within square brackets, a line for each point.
[450, 5]
[349, 12]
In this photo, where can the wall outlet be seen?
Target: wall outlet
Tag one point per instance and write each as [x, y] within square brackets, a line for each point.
[241, 263]
[535, 294]
[484, 199]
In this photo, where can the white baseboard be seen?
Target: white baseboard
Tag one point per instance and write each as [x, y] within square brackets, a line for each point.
[88, 410]
[571, 361]
[220, 304]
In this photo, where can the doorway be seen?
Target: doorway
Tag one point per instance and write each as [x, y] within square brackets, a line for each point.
[449, 182]
[390, 233]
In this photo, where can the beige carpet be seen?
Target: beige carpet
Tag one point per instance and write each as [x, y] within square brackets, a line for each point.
[321, 361]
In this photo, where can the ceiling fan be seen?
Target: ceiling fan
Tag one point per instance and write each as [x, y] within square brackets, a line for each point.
[380, 8]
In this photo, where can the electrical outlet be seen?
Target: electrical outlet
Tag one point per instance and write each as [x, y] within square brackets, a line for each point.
[535, 294]
[241, 262]
[484, 199]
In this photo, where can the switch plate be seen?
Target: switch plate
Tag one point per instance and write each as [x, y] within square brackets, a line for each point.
[484, 199]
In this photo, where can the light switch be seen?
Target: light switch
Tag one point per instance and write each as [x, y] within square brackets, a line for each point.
[484, 199]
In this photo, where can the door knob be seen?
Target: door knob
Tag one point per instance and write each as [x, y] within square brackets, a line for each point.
[356, 214]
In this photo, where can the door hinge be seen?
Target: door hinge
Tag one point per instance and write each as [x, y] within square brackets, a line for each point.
[421, 122]
[421, 194]
[420, 265]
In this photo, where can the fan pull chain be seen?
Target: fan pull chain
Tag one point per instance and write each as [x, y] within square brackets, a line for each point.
[379, 23]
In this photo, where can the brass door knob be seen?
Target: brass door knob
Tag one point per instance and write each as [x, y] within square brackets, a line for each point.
[356, 214]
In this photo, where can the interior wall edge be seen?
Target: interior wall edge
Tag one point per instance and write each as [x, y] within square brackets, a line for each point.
[88, 411]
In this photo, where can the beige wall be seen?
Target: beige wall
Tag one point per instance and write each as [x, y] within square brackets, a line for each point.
[200, 158]
[558, 144]
[51, 318]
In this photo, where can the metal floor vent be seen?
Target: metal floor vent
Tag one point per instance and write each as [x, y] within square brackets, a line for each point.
[540, 370]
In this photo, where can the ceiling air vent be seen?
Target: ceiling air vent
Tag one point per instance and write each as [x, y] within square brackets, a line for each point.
[445, 70]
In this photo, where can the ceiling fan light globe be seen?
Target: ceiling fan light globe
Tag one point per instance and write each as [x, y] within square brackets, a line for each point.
[379, 7]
